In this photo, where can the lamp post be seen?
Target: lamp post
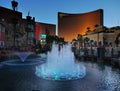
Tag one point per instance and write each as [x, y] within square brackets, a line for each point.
[80, 40]
[15, 20]
[14, 5]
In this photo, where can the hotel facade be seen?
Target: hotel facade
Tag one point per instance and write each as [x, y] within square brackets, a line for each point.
[70, 25]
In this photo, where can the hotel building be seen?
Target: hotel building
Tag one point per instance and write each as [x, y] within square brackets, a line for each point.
[70, 25]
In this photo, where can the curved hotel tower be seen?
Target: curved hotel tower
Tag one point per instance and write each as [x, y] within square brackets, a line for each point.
[70, 25]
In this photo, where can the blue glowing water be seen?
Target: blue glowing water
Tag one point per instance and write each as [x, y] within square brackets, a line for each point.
[28, 62]
[23, 59]
[23, 55]
[60, 65]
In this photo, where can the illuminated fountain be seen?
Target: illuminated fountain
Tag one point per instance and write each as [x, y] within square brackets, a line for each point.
[23, 55]
[23, 59]
[60, 65]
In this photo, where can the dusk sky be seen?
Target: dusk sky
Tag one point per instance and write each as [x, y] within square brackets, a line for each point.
[46, 10]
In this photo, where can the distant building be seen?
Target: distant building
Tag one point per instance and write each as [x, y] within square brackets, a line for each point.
[9, 15]
[29, 29]
[2, 35]
[70, 25]
[11, 20]
[44, 29]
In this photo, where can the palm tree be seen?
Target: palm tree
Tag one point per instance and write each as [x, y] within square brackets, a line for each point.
[88, 28]
[86, 40]
[96, 25]
[91, 42]
[80, 40]
[117, 40]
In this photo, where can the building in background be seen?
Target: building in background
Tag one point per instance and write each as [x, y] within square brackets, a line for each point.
[103, 36]
[70, 25]
[12, 21]
[2, 34]
[44, 29]
[29, 32]
[29, 29]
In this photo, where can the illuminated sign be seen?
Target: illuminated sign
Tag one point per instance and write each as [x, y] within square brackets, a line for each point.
[37, 32]
[43, 38]
[43, 35]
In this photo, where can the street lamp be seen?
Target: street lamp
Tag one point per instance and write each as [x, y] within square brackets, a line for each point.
[15, 20]
[14, 5]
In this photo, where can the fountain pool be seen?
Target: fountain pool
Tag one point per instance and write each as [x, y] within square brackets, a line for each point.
[95, 76]
[23, 59]
[99, 77]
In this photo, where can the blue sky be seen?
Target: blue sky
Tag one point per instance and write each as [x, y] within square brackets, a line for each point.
[46, 10]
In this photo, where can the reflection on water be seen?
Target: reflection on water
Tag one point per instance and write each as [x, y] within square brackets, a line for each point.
[110, 78]
[98, 78]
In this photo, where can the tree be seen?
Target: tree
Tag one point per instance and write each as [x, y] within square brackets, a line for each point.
[50, 39]
[91, 42]
[117, 40]
[88, 28]
[96, 25]
[80, 40]
[86, 40]
[74, 40]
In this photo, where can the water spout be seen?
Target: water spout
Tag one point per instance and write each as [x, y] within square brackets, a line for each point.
[60, 65]
[23, 55]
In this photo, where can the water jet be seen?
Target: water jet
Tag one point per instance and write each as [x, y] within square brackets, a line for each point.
[60, 65]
